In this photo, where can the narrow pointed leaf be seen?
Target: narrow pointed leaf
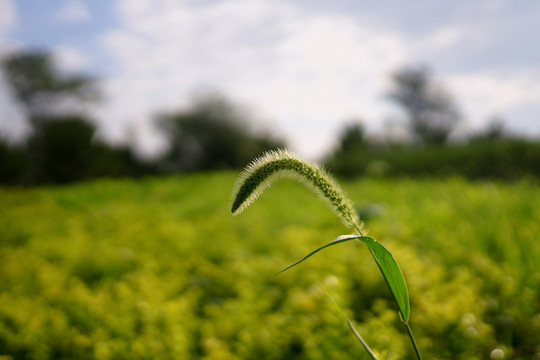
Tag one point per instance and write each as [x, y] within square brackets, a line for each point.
[338, 240]
[392, 274]
[387, 264]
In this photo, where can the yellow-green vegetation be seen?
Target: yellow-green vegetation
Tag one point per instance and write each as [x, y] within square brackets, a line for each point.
[157, 269]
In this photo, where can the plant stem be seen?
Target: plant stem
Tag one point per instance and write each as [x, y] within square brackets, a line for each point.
[351, 326]
[368, 349]
[411, 336]
[358, 229]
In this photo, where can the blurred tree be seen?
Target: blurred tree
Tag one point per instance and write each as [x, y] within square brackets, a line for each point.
[494, 131]
[352, 146]
[64, 148]
[119, 161]
[47, 94]
[431, 111]
[351, 137]
[213, 134]
[40, 87]
[12, 162]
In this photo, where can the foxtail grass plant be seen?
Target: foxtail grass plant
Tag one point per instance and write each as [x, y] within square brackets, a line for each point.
[274, 165]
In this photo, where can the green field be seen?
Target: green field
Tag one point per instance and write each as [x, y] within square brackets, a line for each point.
[159, 269]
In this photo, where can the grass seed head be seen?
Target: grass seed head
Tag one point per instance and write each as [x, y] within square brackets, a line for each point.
[272, 165]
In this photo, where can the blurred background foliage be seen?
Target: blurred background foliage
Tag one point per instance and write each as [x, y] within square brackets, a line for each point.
[213, 134]
[216, 133]
[157, 269]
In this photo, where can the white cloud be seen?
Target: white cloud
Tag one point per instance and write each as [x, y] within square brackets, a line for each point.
[445, 37]
[73, 11]
[69, 59]
[8, 20]
[12, 122]
[7, 16]
[307, 70]
[487, 93]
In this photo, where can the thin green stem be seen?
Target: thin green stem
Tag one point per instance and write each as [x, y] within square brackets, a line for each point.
[411, 336]
[368, 349]
[353, 328]
[358, 229]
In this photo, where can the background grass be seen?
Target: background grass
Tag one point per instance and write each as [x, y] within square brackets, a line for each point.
[159, 269]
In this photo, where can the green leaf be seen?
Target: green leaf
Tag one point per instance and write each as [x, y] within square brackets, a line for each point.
[392, 274]
[338, 240]
[387, 264]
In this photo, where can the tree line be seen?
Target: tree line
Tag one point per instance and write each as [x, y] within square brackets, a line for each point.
[214, 133]
[431, 117]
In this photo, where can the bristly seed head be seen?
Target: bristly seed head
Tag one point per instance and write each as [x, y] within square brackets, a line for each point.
[272, 165]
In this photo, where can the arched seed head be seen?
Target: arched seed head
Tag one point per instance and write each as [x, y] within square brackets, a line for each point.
[272, 165]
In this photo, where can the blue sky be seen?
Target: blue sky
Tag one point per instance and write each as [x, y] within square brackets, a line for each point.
[301, 67]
